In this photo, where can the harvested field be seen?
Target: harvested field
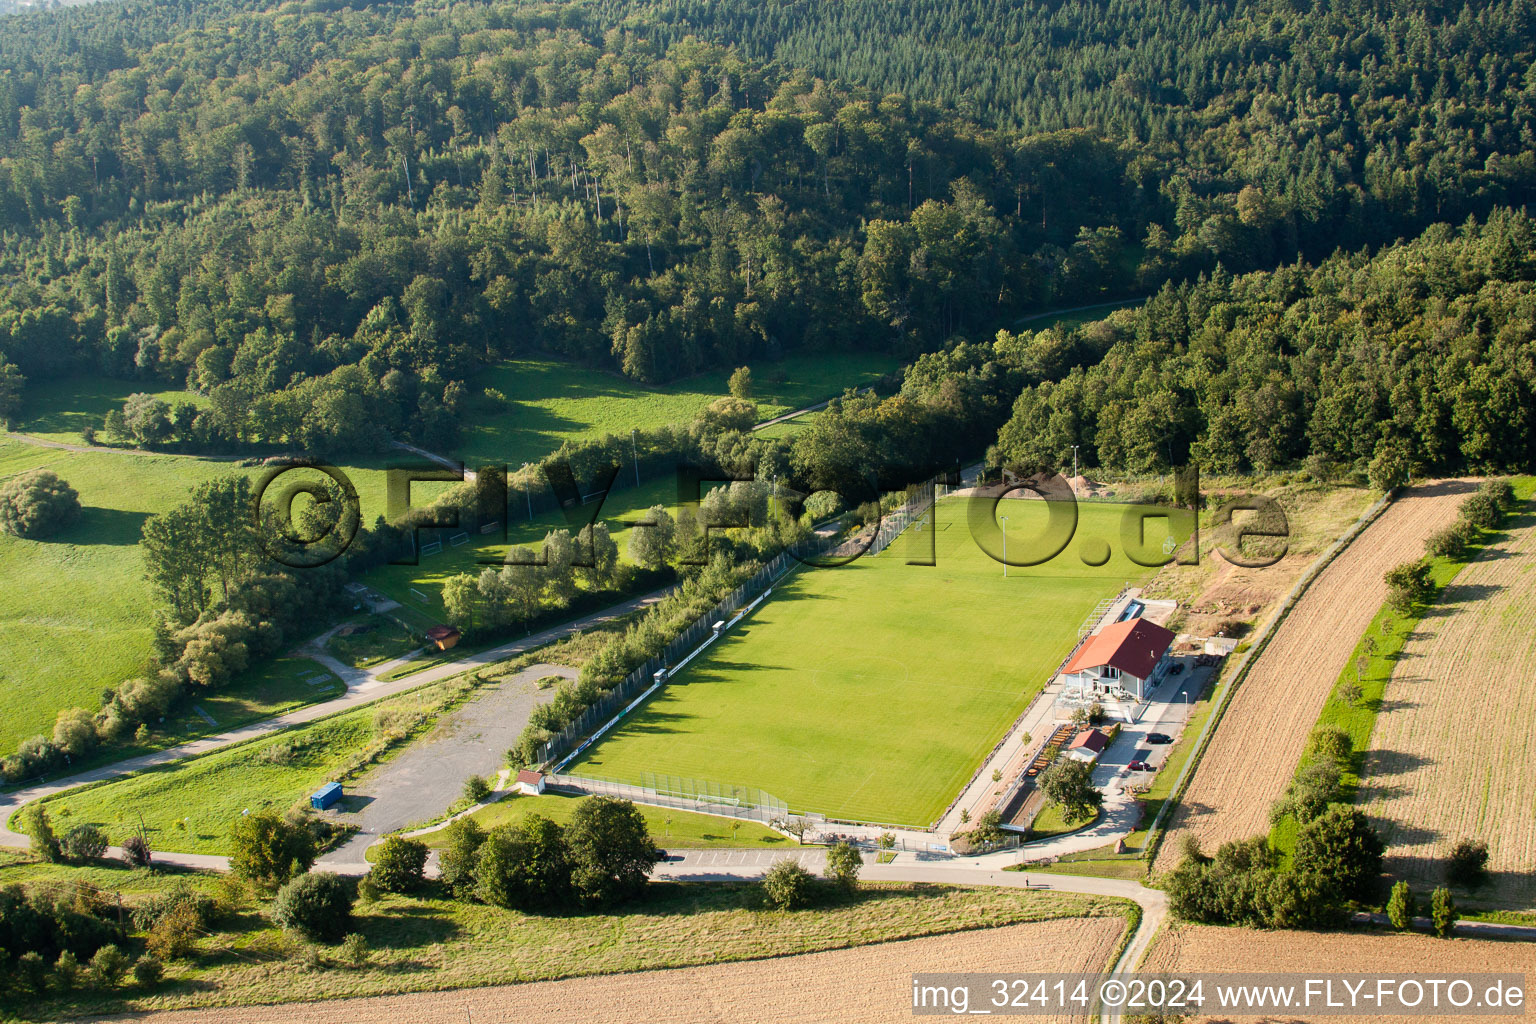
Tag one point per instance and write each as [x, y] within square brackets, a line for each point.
[1442, 766]
[1255, 749]
[1242, 950]
[869, 983]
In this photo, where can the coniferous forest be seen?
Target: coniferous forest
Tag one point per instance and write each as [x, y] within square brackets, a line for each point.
[326, 218]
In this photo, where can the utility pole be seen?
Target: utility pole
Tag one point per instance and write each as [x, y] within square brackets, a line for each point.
[635, 450]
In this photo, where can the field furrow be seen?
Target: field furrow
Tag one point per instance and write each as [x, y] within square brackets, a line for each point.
[1452, 751]
[869, 983]
[1255, 749]
[1207, 948]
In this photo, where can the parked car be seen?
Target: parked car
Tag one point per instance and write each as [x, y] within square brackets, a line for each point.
[1140, 766]
[1159, 737]
[1176, 668]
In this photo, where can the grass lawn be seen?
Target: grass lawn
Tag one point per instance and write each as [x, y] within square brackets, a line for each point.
[672, 830]
[76, 610]
[872, 691]
[209, 793]
[1049, 822]
[431, 944]
[380, 638]
[59, 410]
[546, 403]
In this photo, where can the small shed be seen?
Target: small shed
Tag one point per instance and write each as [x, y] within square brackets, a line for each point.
[443, 636]
[325, 796]
[1088, 745]
[529, 783]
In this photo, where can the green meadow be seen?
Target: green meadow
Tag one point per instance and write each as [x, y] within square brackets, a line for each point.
[872, 691]
[76, 612]
[546, 403]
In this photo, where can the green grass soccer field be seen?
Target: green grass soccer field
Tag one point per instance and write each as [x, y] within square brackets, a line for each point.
[873, 691]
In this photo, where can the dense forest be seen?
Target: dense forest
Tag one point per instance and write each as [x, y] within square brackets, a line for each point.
[1254, 130]
[1425, 352]
[326, 220]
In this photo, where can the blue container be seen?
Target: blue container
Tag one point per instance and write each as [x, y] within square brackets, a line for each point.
[325, 796]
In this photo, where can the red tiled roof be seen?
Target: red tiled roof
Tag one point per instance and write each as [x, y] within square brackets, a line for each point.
[1132, 646]
[1089, 739]
[528, 776]
[441, 632]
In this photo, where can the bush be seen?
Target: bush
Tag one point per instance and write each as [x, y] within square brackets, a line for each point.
[181, 893]
[66, 972]
[1501, 491]
[843, 864]
[1400, 908]
[316, 906]
[147, 971]
[1467, 863]
[37, 504]
[1331, 744]
[136, 849]
[1389, 468]
[476, 789]
[174, 934]
[610, 848]
[1482, 510]
[268, 850]
[1341, 847]
[1442, 909]
[400, 865]
[1409, 584]
[40, 830]
[524, 866]
[456, 861]
[354, 950]
[1447, 543]
[32, 972]
[83, 842]
[109, 965]
[368, 890]
[787, 885]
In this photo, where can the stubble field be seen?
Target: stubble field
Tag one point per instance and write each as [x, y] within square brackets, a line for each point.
[1208, 948]
[867, 983]
[1452, 751]
[1256, 747]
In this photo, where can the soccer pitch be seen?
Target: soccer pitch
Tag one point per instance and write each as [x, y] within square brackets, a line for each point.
[872, 691]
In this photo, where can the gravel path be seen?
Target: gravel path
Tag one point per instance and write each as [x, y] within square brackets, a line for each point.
[429, 776]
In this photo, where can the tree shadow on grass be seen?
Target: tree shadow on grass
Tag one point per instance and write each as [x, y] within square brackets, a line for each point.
[111, 526]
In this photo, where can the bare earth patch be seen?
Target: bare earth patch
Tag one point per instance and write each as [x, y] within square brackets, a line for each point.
[869, 983]
[1207, 948]
[1255, 749]
[1453, 747]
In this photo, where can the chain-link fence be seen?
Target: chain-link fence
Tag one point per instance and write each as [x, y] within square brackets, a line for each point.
[643, 678]
[706, 796]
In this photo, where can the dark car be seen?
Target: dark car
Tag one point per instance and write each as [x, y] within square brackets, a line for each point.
[1176, 668]
[1140, 766]
[1159, 737]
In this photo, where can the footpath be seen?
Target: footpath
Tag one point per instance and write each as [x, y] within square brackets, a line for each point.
[362, 687]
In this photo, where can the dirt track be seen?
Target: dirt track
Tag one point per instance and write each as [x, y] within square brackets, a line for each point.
[869, 983]
[1445, 763]
[1208, 948]
[1255, 749]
